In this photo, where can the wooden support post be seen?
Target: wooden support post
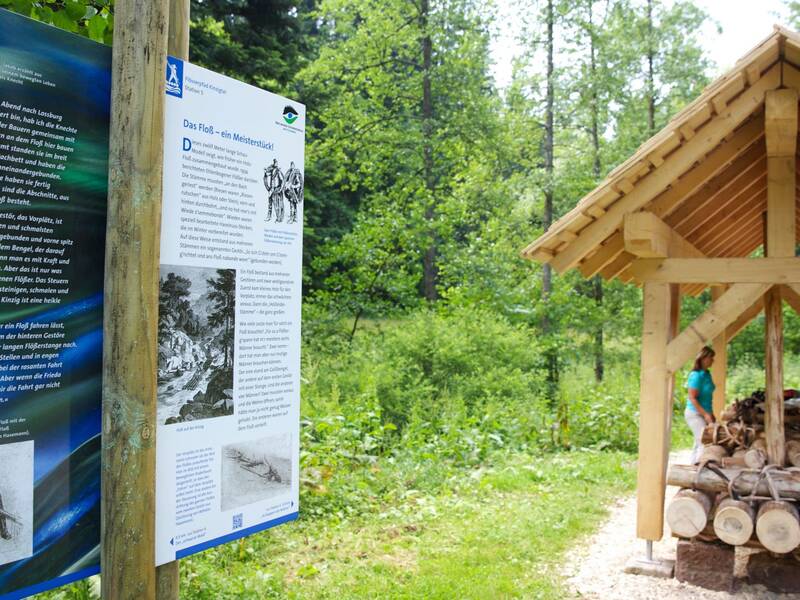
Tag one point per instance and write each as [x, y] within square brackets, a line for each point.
[773, 417]
[653, 421]
[168, 576]
[719, 370]
[715, 320]
[674, 329]
[131, 300]
[780, 124]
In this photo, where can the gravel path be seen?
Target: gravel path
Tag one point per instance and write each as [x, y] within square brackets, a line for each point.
[596, 569]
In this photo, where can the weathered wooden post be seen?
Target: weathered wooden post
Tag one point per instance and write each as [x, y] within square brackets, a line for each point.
[653, 418]
[131, 300]
[780, 123]
[168, 575]
[719, 370]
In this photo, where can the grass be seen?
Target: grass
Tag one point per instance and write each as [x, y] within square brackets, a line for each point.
[501, 533]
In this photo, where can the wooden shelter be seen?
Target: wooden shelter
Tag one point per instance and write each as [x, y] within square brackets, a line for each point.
[685, 212]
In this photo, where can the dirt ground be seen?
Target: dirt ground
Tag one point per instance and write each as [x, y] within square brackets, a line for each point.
[596, 569]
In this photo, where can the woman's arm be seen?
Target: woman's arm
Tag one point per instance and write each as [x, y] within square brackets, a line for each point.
[693, 393]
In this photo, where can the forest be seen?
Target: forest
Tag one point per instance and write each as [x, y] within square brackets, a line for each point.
[445, 379]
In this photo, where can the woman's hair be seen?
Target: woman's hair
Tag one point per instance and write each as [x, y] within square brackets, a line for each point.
[698, 361]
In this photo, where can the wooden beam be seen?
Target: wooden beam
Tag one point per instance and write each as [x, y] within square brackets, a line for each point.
[719, 370]
[680, 161]
[751, 165]
[688, 184]
[616, 266]
[744, 320]
[653, 422]
[747, 221]
[712, 218]
[773, 412]
[730, 234]
[780, 124]
[717, 271]
[648, 236]
[712, 322]
[604, 255]
[791, 295]
[781, 206]
[130, 320]
[672, 332]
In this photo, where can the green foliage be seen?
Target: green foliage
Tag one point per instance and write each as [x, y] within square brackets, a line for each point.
[93, 19]
[263, 42]
[416, 544]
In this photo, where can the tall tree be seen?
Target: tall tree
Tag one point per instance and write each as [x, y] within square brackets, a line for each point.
[263, 42]
[403, 97]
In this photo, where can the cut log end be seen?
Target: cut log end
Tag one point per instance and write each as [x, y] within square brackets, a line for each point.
[734, 521]
[778, 526]
[687, 514]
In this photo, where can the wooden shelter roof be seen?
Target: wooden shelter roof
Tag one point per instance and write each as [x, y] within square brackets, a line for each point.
[704, 175]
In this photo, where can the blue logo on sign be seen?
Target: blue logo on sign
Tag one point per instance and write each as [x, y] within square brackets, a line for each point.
[175, 77]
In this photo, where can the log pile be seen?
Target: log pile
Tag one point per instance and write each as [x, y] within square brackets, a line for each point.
[733, 495]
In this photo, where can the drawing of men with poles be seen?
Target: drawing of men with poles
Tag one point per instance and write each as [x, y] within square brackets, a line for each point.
[293, 191]
[273, 181]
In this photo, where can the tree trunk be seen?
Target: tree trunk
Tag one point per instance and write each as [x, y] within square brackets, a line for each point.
[787, 483]
[651, 86]
[597, 281]
[548, 144]
[547, 282]
[429, 267]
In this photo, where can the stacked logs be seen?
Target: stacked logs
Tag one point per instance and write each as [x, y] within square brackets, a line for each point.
[733, 495]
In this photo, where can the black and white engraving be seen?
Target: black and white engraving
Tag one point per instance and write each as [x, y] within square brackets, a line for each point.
[196, 324]
[282, 186]
[256, 470]
[16, 501]
[293, 191]
[273, 181]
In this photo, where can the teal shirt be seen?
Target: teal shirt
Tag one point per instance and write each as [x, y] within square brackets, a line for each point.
[701, 381]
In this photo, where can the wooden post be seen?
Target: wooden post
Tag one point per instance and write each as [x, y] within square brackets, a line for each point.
[773, 417]
[719, 370]
[168, 576]
[673, 331]
[131, 300]
[653, 420]
[178, 37]
[780, 124]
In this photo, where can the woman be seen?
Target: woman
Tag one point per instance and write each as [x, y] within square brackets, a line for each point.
[699, 412]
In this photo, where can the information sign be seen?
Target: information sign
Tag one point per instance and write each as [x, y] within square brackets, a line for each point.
[54, 119]
[229, 311]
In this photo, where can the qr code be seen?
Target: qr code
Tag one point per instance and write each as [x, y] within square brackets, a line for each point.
[238, 521]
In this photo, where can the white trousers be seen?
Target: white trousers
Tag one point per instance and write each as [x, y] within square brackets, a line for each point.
[696, 423]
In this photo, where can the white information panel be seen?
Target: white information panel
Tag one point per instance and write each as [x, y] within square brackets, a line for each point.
[229, 312]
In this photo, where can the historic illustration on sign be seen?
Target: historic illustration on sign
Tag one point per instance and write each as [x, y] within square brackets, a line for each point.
[273, 181]
[256, 470]
[283, 186]
[16, 501]
[293, 191]
[196, 319]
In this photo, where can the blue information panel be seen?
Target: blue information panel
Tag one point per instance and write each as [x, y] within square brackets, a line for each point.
[54, 119]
